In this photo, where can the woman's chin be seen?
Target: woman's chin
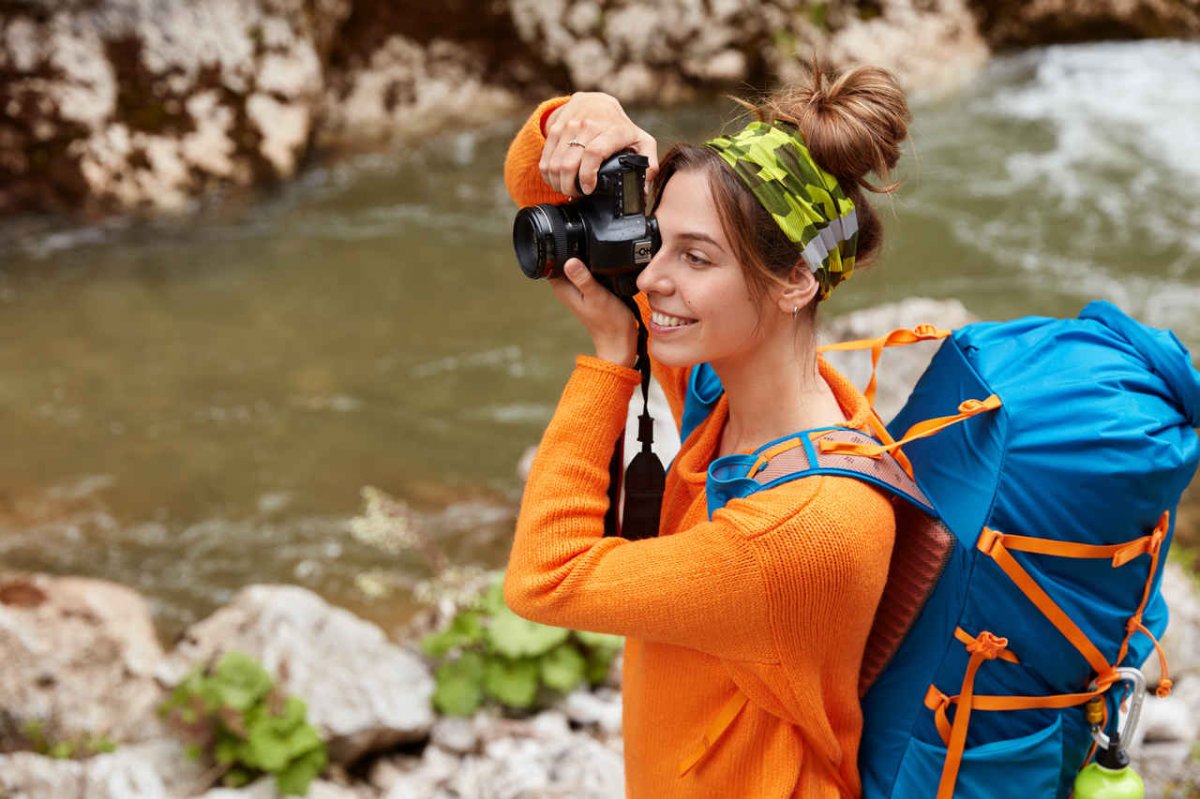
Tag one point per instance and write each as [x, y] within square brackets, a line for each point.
[674, 357]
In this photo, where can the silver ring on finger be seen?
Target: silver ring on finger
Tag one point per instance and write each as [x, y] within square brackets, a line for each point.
[576, 143]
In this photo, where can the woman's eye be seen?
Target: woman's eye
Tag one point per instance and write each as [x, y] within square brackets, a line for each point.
[695, 259]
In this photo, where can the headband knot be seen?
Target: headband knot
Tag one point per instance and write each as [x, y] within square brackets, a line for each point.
[805, 201]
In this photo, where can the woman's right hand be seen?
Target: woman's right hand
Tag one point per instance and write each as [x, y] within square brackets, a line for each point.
[597, 121]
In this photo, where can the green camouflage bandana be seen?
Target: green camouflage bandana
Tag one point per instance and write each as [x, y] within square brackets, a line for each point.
[805, 201]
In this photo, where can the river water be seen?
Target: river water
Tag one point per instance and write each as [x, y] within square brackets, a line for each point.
[188, 408]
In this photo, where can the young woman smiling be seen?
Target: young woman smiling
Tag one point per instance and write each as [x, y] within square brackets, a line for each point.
[745, 629]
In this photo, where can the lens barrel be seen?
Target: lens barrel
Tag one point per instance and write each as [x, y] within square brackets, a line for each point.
[540, 240]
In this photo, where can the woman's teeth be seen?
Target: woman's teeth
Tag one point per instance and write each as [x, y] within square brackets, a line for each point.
[663, 320]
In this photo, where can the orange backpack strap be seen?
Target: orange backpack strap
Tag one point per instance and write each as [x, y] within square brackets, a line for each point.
[922, 543]
[896, 338]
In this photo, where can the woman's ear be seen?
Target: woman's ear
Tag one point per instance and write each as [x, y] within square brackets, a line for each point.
[799, 289]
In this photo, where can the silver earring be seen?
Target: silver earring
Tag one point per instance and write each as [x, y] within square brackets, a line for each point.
[795, 311]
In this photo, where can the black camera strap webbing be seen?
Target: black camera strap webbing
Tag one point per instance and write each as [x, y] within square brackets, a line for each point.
[645, 477]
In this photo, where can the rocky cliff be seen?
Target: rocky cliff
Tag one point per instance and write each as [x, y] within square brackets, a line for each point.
[137, 105]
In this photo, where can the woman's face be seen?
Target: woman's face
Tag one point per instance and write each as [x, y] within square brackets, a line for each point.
[701, 303]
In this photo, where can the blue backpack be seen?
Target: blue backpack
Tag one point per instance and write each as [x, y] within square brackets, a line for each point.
[1036, 469]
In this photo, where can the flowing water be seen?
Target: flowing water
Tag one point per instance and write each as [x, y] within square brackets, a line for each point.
[188, 408]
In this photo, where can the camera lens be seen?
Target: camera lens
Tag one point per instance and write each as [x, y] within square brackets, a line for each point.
[540, 240]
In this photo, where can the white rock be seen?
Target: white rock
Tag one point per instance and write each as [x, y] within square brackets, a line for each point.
[154, 770]
[583, 17]
[79, 655]
[538, 756]
[1181, 641]
[265, 789]
[284, 127]
[1163, 747]
[549, 725]
[363, 693]
[176, 51]
[408, 89]
[20, 44]
[726, 66]
[589, 63]
[599, 708]
[937, 48]
[1168, 720]
[209, 146]
[454, 734]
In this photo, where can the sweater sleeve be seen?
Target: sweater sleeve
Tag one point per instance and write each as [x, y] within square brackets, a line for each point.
[522, 177]
[701, 588]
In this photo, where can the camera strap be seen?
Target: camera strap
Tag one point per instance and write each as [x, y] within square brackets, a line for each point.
[645, 478]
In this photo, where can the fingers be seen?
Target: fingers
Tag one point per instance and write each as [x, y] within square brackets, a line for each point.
[647, 146]
[600, 147]
[579, 275]
[597, 122]
[611, 324]
[560, 159]
[577, 287]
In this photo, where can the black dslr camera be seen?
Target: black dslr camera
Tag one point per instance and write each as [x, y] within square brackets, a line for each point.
[608, 229]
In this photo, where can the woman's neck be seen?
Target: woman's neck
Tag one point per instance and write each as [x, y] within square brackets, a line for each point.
[772, 394]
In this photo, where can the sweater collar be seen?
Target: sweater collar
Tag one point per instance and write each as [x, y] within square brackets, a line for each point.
[701, 447]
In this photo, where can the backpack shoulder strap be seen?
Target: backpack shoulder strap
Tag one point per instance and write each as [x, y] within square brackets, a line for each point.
[922, 547]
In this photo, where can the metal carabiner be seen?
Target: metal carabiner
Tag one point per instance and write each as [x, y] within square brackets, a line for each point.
[1138, 680]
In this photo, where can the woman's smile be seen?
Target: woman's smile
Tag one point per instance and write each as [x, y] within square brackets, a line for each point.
[662, 323]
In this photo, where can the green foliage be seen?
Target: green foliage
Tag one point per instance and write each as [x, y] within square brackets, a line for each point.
[234, 714]
[1188, 557]
[818, 14]
[488, 652]
[46, 738]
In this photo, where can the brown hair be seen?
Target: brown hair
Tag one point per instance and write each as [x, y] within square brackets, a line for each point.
[853, 124]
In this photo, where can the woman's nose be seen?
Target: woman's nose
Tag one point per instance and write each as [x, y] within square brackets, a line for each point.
[653, 278]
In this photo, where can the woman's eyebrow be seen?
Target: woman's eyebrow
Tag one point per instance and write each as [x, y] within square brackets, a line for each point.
[696, 235]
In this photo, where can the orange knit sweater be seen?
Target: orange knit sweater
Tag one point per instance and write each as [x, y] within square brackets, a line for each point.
[770, 601]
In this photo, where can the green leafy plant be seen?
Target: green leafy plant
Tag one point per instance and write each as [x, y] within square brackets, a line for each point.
[45, 737]
[234, 715]
[488, 652]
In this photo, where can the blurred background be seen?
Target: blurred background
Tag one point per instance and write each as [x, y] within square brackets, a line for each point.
[255, 256]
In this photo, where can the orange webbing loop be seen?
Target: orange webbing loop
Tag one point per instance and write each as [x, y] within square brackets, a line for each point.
[896, 338]
[1164, 681]
[984, 647]
[1120, 553]
[1156, 538]
[992, 543]
[725, 716]
[929, 427]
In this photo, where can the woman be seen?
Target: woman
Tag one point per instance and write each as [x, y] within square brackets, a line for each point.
[744, 631]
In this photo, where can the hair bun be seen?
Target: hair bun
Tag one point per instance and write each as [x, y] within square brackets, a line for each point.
[853, 123]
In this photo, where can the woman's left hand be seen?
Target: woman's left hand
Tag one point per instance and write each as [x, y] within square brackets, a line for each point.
[607, 319]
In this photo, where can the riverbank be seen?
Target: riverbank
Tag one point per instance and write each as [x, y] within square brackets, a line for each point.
[113, 108]
[82, 664]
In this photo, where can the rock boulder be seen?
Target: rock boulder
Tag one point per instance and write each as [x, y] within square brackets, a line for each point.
[363, 693]
[152, 770]
[79, 660]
